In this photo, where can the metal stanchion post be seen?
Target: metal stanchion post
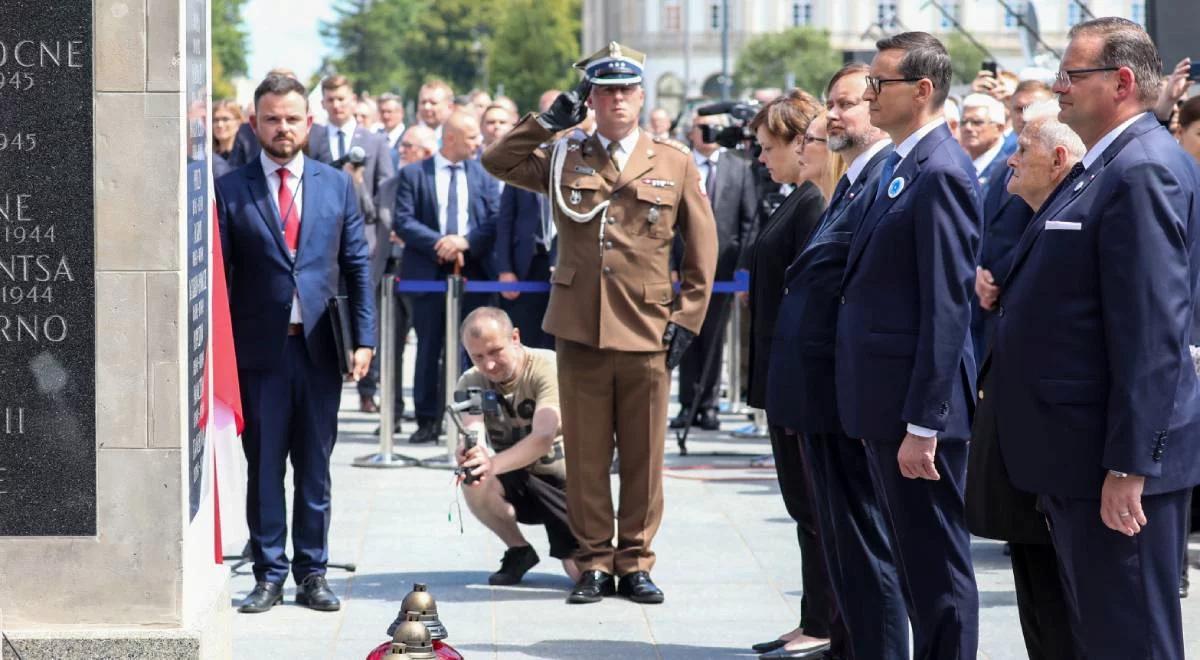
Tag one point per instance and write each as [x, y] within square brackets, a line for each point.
[385, 457]
[454, 294]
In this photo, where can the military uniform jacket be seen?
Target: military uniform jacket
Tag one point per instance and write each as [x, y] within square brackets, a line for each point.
[612, 286]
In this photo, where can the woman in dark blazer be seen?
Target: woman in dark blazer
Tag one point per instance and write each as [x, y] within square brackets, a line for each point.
[780, 127]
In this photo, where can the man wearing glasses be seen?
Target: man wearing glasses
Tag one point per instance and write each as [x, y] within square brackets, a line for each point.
[1098, 406]
[904, 364]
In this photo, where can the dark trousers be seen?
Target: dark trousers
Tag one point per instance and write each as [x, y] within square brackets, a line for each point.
[929, 535]
[369, 384]
[816, 603]
[528, 310]
[289, 412]
[707, 345]
[1041, 603]
[862, 570]
[1122, 592]
[429, 320]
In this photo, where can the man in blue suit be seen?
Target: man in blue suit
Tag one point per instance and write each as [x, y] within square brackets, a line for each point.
[290, 233]
[801, 395]
[446, 215]
[1097, 403]
[903, 360]
[1005, 217]
[526, 250]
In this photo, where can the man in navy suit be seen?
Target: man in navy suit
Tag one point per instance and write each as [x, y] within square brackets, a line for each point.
[1005, 217]
[446, 215]
[903, 361]
[801, 394]
[1097, 403]
[291, 233]
[526, 250]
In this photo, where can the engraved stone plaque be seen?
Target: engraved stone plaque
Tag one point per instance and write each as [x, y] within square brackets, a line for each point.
[47, 282]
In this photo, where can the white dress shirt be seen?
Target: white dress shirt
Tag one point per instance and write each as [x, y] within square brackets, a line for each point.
[705, 163]
[347, 130]
[393, 136]
[441, 178]
[1097, 150]
[987, 157]
[859, 164]
[625, 149]
[295, 169]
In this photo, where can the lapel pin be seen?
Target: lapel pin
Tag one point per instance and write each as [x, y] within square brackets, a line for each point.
[572, 146]
[896, 187]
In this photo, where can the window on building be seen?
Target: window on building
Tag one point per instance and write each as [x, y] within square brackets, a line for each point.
[802, 13]
[1010, 17]
[951, 14]
[672, 16]
[714, 16]
[1137, 12]
[1074, 13]
[886, 13]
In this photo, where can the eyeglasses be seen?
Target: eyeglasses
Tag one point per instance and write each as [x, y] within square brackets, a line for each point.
[809, 139]
[876, 84]
[1067, 76]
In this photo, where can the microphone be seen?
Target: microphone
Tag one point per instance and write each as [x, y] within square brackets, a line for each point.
[356, 156]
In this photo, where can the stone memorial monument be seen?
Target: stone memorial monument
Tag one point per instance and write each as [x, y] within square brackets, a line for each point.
[106, 522]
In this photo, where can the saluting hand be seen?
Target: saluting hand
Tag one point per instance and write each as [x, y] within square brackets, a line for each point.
[916, 457]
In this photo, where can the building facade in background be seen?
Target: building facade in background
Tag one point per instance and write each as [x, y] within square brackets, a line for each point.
[682, 38]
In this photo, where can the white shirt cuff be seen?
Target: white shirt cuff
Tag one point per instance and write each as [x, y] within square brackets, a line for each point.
[921, 431]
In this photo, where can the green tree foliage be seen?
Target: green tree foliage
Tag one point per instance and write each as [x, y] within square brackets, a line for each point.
[804, 52]
[369, 36]
[536, 42]
[229, 45]
[965, 58]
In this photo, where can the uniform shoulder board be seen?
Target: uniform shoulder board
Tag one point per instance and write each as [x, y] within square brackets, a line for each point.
[674, 143]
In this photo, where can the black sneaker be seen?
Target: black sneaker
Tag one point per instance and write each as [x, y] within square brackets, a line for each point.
[515, 564]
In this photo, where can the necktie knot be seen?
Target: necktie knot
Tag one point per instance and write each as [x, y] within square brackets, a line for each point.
[283, 175]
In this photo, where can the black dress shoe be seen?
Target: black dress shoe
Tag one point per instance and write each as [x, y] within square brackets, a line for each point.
[709, 420]
[515, 564]
[427, 431]
[366, 403]
[592, 587]
[682, 419]
[264, 596]
[314, 593]
[766, 647]
[638, 587]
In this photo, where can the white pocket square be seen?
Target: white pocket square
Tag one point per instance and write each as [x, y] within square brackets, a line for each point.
[1059, 224]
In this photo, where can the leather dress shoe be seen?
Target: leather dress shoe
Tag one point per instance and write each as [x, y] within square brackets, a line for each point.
[314, 593]
[592, 587]
[708, 420]
[427, 431]
[764, 647]
[366, 403]
[515, 564]
[638, 587]
[818, 651]
[682, 420]
[263, 597]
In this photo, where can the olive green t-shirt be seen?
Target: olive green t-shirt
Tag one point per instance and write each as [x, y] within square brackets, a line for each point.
[536, 386]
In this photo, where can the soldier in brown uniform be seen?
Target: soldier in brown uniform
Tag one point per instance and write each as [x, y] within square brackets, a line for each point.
[619, 198]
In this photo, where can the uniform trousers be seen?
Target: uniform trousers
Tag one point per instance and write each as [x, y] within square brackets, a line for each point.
[1123, 591]
[613, 399]
[528, 310]
[928, 533]
[853, 532]
[291, 412]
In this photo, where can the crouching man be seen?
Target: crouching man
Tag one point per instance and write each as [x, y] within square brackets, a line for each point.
[522, 477]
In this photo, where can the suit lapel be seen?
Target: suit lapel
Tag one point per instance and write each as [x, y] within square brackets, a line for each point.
[429, 168]
[640, 161]
[261, 193]
[320, 148]
[908, 170]
[308, 212]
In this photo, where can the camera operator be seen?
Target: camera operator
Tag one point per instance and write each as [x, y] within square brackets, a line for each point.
[526, 453]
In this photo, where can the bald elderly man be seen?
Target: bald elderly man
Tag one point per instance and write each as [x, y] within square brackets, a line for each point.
[446, 215]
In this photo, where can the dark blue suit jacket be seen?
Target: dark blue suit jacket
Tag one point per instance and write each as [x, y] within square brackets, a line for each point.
[903, 354]
[800, 378]
[1091, 369]
[517, 226]
[262, 275]
[1005, 217]
[416, 220]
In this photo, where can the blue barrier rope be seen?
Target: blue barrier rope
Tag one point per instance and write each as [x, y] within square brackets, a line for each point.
[740, 282]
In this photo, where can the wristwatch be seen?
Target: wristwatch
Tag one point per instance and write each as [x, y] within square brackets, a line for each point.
[1119, 475]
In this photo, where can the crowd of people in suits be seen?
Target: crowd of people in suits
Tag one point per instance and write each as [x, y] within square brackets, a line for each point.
[967, 315]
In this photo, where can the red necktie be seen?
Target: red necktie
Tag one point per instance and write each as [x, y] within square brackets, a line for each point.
[287, 208]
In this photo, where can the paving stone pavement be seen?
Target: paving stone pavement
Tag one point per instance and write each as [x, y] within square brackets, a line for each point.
[728, 562]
